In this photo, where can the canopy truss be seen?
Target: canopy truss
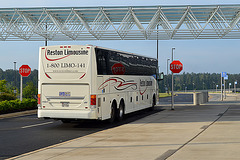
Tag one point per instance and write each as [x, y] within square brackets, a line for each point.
[120, 23]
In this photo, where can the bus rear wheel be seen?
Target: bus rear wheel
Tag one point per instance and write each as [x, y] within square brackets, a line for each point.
[153, 103]
[113, 113]
[121, 112]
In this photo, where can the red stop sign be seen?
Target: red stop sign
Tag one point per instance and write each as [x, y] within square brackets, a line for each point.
[176, 66]
[25, 70]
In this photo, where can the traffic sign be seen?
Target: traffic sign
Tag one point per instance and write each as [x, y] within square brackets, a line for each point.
[226, 77]
[25, 70]
[224, 74]
[176, 66]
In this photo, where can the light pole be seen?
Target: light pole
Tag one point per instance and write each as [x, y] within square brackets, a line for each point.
[167, 65]
[46, 40]
[229, 87]
[157, 41]
[193, 86]
[235, 83]
[15, 78]
[172, 108]
[167, 76]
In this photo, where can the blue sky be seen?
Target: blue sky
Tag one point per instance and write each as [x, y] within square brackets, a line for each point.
[199, 56]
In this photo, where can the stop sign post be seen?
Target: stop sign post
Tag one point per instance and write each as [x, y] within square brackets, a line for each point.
[24, 71]
[176, 67]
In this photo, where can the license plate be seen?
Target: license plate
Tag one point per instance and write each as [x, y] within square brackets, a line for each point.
[65, 104]
[64, 94]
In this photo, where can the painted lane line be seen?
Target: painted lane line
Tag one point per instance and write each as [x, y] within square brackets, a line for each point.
[35, 125]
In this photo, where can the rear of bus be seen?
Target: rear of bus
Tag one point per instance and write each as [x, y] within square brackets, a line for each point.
[65, 83]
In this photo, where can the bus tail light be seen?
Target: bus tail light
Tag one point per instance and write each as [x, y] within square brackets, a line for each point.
[39, 98]
[93, 100]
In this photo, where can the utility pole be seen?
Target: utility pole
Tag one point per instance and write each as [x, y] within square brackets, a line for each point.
[46, 36]
[15, 78]
[224, 88]
[172, 107]
[167, 77]
[221, 87]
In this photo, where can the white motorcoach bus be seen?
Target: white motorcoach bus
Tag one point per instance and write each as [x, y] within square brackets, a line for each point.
[90, 82]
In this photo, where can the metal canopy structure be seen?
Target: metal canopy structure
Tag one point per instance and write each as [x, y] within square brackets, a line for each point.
[120, 23]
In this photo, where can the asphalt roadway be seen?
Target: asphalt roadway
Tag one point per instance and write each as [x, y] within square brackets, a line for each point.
[180, 98]
[205, 132]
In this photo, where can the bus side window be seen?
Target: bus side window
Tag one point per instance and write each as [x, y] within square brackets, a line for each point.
[102, 62]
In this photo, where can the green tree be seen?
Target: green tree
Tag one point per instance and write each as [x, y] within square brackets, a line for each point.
[5, 92]
[30, 91]
[3, 87]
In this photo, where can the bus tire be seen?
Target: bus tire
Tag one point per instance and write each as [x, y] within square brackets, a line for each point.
[121, 110]
[153, 103]
[113, 113]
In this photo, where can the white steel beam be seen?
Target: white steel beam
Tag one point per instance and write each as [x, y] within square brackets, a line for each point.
[138, 23]
[111, 23]
[85, 24]
[125, 23]
[180, 23]
[209, 19]
[58, 24]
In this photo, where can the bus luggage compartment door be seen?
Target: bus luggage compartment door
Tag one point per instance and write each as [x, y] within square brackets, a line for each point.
[65, 96]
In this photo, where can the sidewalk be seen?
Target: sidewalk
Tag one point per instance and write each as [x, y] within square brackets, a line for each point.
[203, 132]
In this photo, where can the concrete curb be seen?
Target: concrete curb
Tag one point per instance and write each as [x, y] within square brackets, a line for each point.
[17, 114]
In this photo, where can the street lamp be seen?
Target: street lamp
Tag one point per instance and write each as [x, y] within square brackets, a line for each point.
[172, 108]
[15, 78]
[167, 65]
[167, 76]
[235, 86]
[157, 41]
[193, 87]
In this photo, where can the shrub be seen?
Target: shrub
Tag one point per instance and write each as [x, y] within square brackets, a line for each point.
[7, 96]
[30, 91]
[17, 105]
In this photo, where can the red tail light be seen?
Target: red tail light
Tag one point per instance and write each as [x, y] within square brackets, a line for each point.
[93, 99]
[39, 98]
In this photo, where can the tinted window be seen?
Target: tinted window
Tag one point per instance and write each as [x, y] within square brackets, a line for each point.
[118, 63]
